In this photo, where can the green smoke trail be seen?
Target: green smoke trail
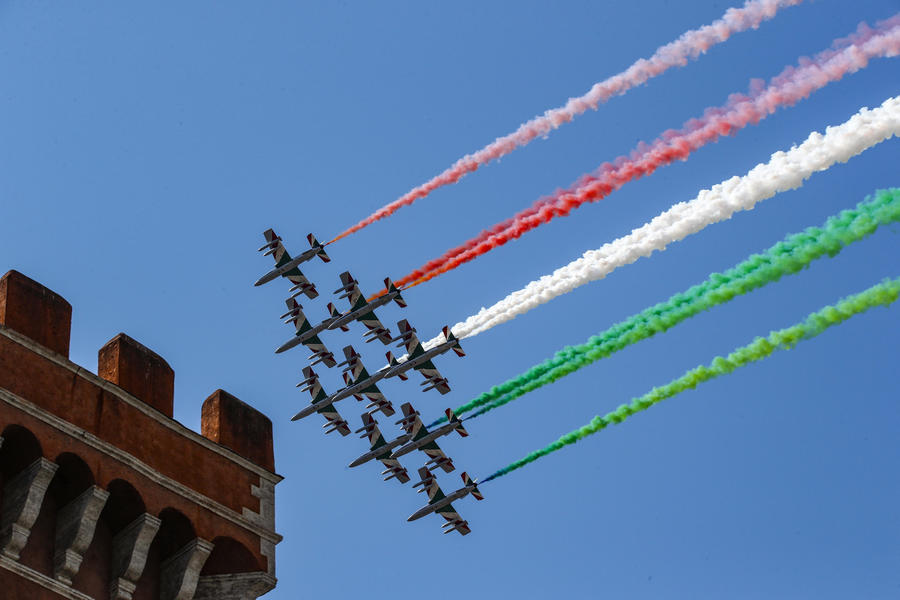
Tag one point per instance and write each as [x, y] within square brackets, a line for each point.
[793, 254]
[881, 294]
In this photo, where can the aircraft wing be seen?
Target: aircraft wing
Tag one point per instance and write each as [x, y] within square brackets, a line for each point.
[301, 283]
[411, 422]
[393, 470]
[375, 329]
[433, 378]
[429, 485]
[320, 353]
[409, 339]
[374, 395]
[453, 521]
[353, 366]
[437, 457]
[335, 422]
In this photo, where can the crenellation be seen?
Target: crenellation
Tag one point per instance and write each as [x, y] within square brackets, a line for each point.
[116, 427]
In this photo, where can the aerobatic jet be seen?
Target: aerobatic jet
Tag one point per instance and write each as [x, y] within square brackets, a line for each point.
[359, 384]
[306, 333]
[441, 504]
[363, 311]
[376, 399]
[321, 405]
[285, 266]
[424, 440]
[420, 359]
[380, 450]
[357, 374]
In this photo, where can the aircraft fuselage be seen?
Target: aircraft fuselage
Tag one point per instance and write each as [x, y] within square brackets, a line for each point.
[412, 363]
[430, 437]
[427, 510]
[355, 314]
[302, 337]
[278, 271]
[358, 387]
[312, 408]
[380, 451]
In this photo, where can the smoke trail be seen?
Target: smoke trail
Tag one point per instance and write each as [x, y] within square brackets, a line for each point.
[787, 257]
[882, 294]
[847, 55]
[784, 171]
[675, 54]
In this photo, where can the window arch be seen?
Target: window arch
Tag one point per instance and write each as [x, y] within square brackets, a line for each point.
[230, 556]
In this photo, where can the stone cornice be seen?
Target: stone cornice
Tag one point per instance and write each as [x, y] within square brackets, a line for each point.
[141, 406]
[143, 469]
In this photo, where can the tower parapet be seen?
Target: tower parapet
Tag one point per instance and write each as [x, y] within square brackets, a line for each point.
[104, 494]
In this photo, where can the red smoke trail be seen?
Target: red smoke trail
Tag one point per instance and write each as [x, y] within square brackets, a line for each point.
[690, 45]
[847, 55]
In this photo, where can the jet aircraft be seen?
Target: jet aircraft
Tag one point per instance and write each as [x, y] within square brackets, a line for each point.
[441, 504]
[380, 450]
[363, 311]
[285, 266]
[321, 405]
[359, 384]
[422, 439]
[377, 401]
[420, 359]
[306, 333]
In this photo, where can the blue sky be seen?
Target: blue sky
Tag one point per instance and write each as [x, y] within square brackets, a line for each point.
[146, 147]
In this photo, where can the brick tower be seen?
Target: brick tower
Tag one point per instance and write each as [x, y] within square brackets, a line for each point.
[104, 494]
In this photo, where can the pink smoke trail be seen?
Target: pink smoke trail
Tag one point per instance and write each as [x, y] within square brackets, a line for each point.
[847, 55]
[675, 54]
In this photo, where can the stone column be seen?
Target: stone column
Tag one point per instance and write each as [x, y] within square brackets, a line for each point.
[234, 586]
[129, 555]
[22, 499]
[179, 573]
[75, 526]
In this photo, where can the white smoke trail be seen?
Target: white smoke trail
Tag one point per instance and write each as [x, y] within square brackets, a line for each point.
[784, 171]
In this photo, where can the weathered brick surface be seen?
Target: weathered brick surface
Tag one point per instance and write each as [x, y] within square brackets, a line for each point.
[207, 524]
[139, 371]
[35, 311]
[73, 398]
[236, 425]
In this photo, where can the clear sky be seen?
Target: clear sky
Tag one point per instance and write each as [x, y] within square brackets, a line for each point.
[145, 147]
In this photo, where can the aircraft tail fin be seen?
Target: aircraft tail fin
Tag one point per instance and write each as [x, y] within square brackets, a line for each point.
[335, 314]
[467, 481]
[454, 340]
[452, 418]
[394, 362]
[390, 287]
[314, 243]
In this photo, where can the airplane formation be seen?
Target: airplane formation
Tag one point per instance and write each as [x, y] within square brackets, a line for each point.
[360, 384]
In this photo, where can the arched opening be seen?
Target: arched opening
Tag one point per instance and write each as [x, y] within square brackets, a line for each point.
[123, 505]
[72, 477]
[20, 448]
[175, 531]
[230, 556]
